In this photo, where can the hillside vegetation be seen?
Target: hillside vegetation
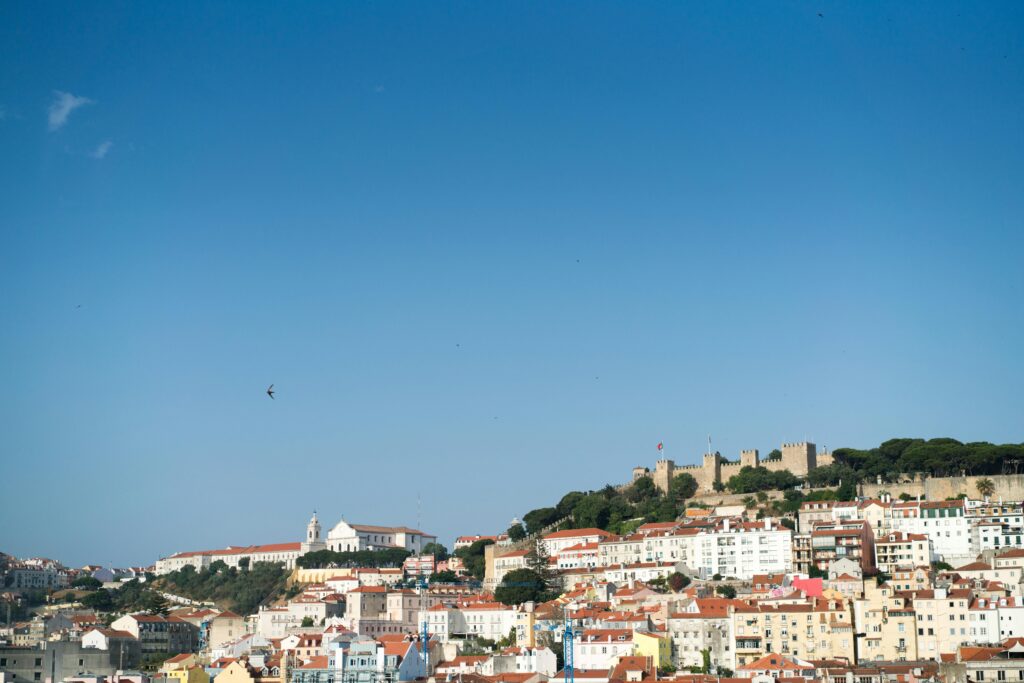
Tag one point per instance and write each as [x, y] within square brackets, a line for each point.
[240, 590]
[934, 457]
[623, 510]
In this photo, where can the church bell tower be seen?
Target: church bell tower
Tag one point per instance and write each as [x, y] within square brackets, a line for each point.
[313, 542]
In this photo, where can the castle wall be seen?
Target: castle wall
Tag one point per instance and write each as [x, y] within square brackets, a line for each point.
[798, 458]
[1008, 487]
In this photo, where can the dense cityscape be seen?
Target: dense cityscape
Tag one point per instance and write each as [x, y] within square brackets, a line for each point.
[681, 574]
[512, 342]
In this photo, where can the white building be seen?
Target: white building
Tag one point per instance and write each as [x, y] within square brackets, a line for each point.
[538, 660]
[726, 546]
[232, 556]
[898, 549]
[944, 522]
[994, 620]
[598, 648]
[557, 541]
[704, 624]
[345, 537]
[997, 536]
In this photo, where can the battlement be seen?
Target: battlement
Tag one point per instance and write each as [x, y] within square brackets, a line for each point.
[797, 457]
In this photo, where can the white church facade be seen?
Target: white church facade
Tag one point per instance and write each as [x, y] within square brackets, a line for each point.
[346, 537]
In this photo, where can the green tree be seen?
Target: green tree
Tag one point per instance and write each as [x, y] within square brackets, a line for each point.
[847, 490]
[568, 504]
[683, 486]
[243, 563]
[99, 600]
[774, 454]
[446, 576]
[538, 560]
[154, 603]
[439, 552]
[592, 511]
[516, 533]
[519, 586]
[307, 622]
[86, 583]
[641, 490]
[986, 487]
[535, 520]
[473, 558]
[749, 502]
[726, 591]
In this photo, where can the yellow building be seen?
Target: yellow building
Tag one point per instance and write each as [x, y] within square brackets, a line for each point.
[177, 662]
[817, 628]
[524, 622]
[657, 646]
[889, 624]
[236, 672]
[191, 674]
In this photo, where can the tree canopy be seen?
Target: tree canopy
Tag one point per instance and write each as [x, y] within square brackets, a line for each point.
[752, 479]
[242, 591]
[388, 557]
[936, 457]
[522, 585]
[472, 557]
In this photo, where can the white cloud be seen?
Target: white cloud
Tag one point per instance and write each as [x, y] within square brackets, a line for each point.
[63, 104]
[102, 149]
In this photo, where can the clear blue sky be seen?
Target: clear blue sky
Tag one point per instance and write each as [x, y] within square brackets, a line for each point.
[487, 253]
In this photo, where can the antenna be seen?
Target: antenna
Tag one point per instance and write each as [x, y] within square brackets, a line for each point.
[709, 444]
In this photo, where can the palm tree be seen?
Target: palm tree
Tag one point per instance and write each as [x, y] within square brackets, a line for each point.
[749, 502]
[985, 487]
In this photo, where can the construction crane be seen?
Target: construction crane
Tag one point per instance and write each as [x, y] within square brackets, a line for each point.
[568, 634]
[423, 587]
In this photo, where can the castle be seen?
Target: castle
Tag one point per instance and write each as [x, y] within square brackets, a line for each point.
[798, 458]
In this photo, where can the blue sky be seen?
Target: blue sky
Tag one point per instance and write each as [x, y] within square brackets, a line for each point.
[486, 252]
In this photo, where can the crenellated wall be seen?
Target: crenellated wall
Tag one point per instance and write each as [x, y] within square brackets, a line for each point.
[798, 458]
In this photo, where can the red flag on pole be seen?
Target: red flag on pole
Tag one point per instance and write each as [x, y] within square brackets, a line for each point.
[660, 445]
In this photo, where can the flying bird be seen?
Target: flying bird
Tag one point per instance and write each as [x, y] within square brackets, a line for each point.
[270, 391]
[820, 14]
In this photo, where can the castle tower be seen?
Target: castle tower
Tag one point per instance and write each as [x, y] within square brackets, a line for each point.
[664, 470]
[799, 458]
[313, 542]
[749, 458]
[711, 471]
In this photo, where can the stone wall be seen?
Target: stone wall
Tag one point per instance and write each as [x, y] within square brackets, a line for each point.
[1008, 487]
[798, 458]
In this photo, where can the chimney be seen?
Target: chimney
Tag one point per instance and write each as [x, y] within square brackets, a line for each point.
[767, 523]
[725, 524]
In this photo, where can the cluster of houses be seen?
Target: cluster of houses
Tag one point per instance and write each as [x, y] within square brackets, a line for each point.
[846, 592]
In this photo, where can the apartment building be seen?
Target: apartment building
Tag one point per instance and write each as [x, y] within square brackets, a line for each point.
[853, 539]
[816, 628]
[898, 549]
